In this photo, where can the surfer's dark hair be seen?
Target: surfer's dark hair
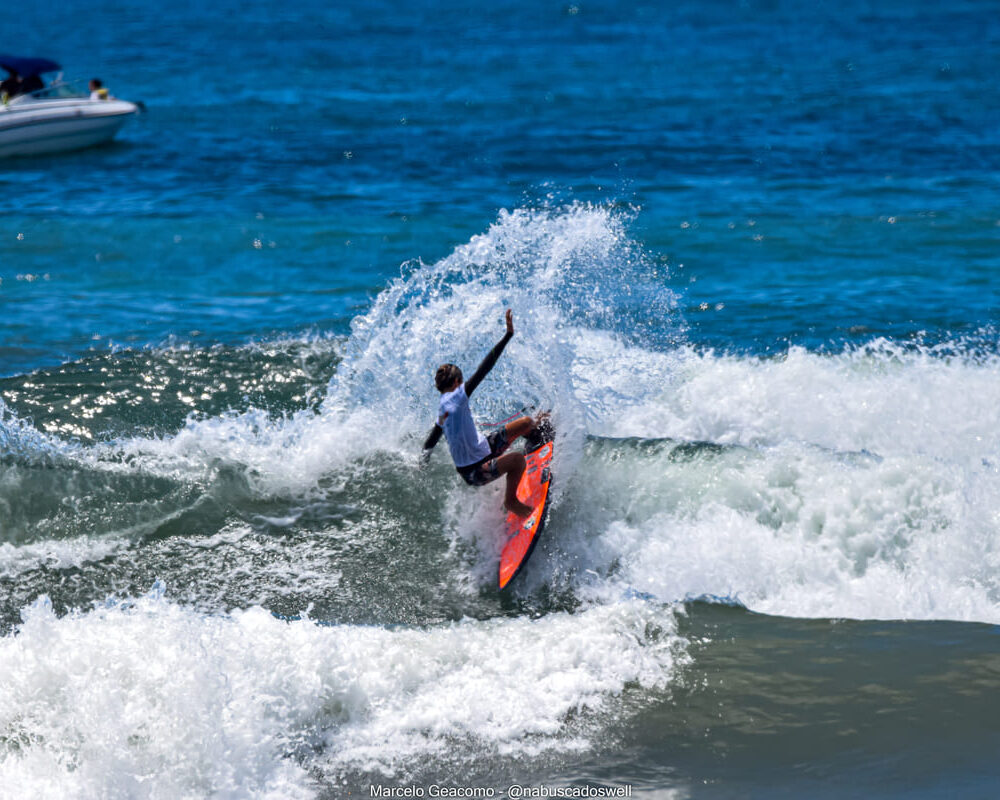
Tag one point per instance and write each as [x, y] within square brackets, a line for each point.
[445, 377]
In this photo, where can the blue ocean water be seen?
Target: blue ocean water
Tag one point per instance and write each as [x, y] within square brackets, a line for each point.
[751, 248]
[834, 168]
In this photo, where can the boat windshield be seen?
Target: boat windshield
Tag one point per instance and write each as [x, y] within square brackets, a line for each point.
[62, 89]
[57, 90]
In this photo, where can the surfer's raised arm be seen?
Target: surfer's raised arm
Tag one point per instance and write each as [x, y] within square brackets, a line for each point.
[450, 376]
[491, 358]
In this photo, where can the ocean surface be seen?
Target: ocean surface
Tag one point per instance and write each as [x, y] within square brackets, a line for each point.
[752, 250]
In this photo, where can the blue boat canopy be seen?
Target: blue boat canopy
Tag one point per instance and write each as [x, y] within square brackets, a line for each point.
[26, 67]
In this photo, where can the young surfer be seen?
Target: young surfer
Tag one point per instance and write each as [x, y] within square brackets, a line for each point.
[479, 459]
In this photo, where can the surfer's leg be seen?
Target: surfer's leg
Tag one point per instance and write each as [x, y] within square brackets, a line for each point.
[521, 426]
[535, 430]
[512, 465]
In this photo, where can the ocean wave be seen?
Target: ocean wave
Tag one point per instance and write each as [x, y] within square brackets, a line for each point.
[861, 482]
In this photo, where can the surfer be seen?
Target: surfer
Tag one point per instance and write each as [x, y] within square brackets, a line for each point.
[479, 459]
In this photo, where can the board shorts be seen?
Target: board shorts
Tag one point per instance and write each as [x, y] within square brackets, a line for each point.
[485, 471]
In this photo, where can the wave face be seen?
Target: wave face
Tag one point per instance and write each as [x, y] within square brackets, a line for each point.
[323, 610]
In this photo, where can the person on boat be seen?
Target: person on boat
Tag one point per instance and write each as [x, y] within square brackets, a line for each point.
[31, 83]
[97, 90]
[479, 459]
[11, 85]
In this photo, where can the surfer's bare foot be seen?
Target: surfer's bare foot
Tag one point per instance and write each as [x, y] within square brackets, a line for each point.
[512, 465]
[517, 507]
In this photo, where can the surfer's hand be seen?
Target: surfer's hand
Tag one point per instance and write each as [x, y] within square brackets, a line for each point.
[510, 322]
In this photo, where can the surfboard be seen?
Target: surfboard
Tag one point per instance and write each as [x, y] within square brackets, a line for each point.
[522, 533]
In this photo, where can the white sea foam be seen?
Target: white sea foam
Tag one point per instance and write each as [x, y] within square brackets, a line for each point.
[884, 397]
[863, 483]
[797, 531]
[152, 699]
[57, 553]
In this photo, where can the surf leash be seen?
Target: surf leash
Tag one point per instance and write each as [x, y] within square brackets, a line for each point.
[513, 416]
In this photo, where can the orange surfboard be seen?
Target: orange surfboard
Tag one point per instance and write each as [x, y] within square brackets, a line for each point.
[521, 533]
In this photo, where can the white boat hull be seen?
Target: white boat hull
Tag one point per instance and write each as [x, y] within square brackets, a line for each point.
[36, 127]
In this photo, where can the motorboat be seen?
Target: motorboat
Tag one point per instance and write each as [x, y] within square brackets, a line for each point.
[55, 118]
[37, 125]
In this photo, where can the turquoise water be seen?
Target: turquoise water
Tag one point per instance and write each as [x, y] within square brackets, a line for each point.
[750, 249]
